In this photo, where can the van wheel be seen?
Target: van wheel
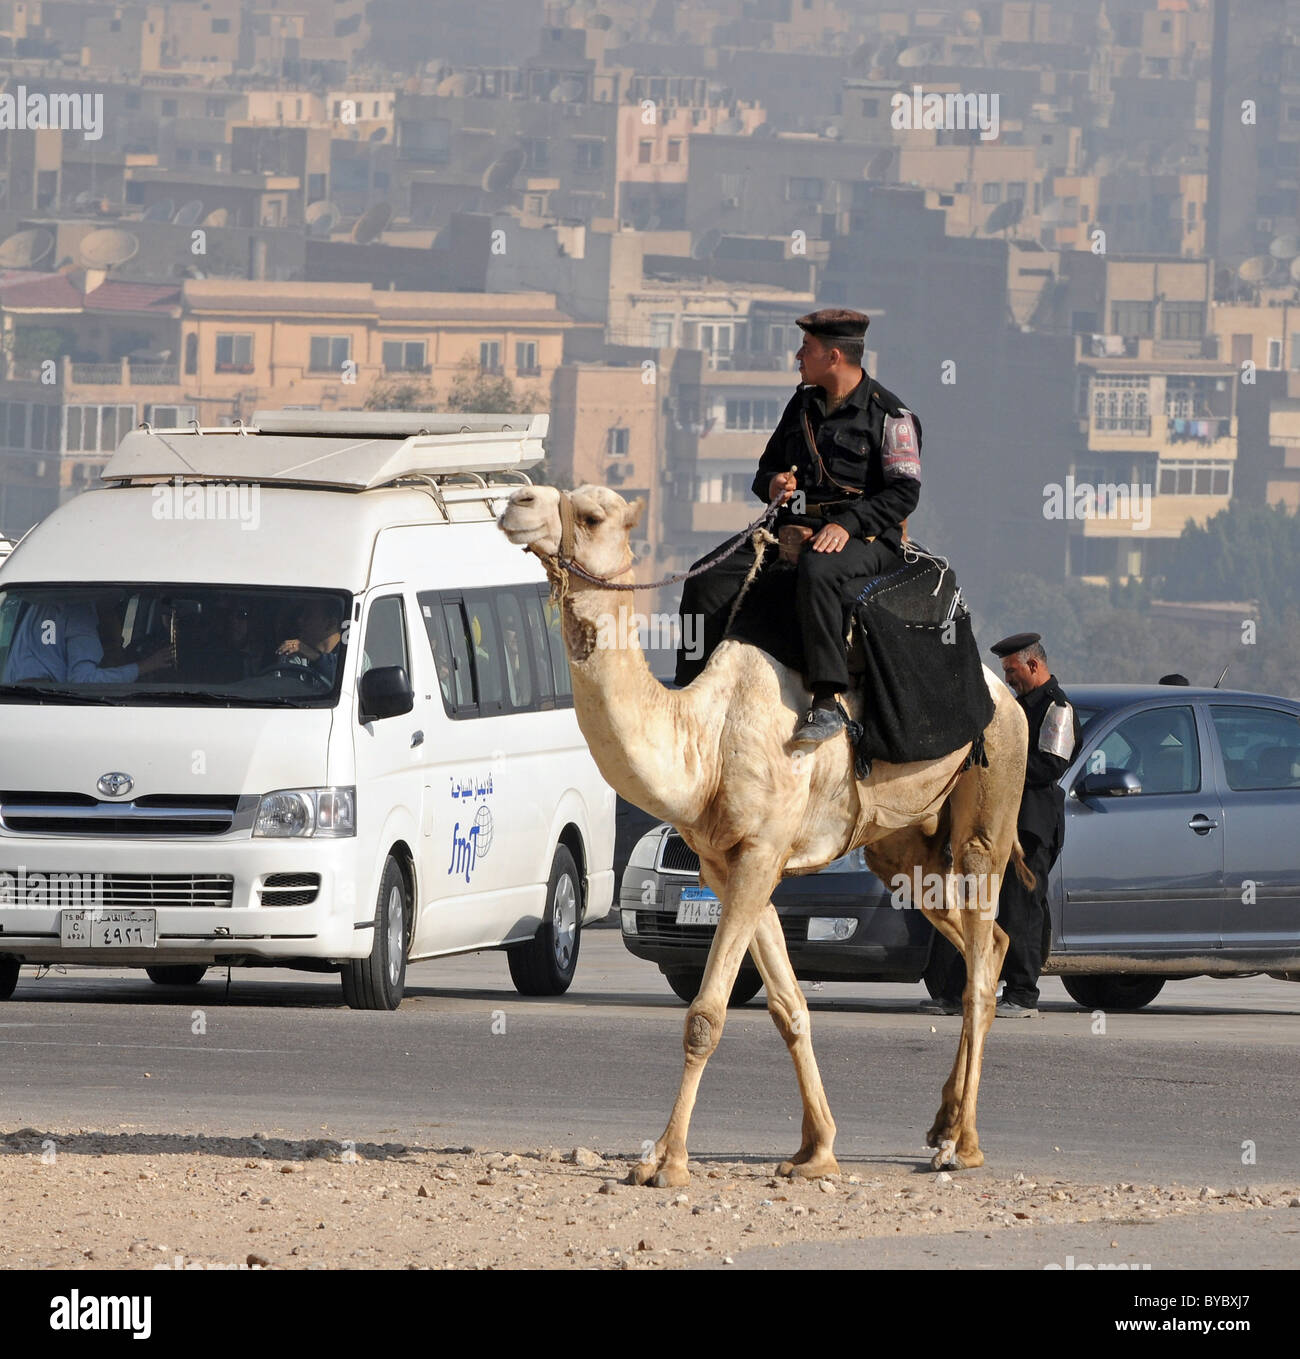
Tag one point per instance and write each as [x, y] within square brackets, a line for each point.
[378, 982]
[545, 965]
[686, 983]
[179, 974]
[1113, 993]
[8, 976]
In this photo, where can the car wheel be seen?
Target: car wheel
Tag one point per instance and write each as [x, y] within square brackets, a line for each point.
[686, 983]
[545, 965]
[1113, 993]
[378, 982]
[178, 974]
[8, 976]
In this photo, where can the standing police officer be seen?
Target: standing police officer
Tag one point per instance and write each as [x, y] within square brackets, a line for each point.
[1040, 828]
[855, 450]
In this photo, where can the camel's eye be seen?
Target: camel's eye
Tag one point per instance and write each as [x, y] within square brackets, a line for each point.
[592, 518]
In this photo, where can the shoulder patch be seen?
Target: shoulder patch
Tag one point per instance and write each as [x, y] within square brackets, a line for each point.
[901, 450]
[1056, 735]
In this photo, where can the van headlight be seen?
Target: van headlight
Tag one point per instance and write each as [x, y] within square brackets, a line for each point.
[320, 812]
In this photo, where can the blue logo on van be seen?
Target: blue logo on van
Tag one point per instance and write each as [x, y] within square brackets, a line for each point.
[471, 839]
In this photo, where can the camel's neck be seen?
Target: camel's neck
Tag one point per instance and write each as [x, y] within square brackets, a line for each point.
[640, 733]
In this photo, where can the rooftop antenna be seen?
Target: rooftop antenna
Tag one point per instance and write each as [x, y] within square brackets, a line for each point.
[1222, 677]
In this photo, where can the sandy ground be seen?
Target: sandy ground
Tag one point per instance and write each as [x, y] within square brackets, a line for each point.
[125, 1200]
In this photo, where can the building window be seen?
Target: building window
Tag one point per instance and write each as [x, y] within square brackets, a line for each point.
[526, 358]
[991, 193]
[329, 353]
[1017, 188]
[1195, 478]
[170, 417]
[870, 108]
[404, 356]
[97, 429]
[489, 356]
[221, 25]
[1274, 354]
[234, 353]
[536, 153]
[799, 190]
[616, 441]
[1134, 319]
[1121, 405]
[215, 108]
[644, 151]
[1295, 351]
[745, 414]
[168, 108]
[661, 332]
[1182, 320]
[590, 155]
[674, 150]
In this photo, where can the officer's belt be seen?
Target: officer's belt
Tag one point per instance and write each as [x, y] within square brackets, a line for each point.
[826, 509]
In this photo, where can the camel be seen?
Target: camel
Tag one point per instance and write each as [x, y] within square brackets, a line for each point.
[714, 759]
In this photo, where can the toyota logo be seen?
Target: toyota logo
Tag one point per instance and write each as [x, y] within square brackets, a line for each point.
[115, 785]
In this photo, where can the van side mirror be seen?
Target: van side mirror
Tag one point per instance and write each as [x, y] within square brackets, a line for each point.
[386, 692]
[1113, 783]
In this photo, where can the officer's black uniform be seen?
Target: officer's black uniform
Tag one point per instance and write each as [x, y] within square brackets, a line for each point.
[1040, 828]
[851, 484]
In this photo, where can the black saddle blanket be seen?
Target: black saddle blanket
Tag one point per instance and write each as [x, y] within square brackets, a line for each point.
[923, 688]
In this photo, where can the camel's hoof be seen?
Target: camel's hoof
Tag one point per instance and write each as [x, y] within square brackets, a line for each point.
[815, 1168]
[671, 1177]
[948, 1157]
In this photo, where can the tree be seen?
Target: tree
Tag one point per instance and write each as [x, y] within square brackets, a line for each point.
[401, 392]
[474, 391]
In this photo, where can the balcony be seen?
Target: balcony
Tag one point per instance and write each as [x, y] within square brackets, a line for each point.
[1197, 433]
[119, 373]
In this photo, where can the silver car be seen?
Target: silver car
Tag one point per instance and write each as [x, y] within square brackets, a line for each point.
[1181, 859]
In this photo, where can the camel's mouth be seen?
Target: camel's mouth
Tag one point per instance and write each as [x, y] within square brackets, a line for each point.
[522, 535]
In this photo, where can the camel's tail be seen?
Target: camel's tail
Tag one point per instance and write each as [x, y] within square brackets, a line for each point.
[1023, 872]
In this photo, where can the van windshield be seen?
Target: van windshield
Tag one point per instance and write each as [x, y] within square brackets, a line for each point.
[172, 644]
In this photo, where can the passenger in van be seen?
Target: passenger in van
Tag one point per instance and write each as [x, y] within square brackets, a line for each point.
[318, 623]
[60, 641]
[516, 674]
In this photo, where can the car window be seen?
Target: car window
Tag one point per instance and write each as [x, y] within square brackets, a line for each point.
[385, 636]
[1159, 746]
[1261, 746]
[514, 651]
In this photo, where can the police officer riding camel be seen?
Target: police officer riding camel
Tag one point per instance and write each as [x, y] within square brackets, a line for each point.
[843, 463]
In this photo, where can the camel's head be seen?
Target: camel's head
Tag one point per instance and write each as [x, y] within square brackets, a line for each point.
[600, 521]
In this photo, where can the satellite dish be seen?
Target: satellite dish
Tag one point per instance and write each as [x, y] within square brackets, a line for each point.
[832, 132]
[1284, 247]
[501, 173]
[730, 127]
[189, 213]
[566, 91]
[218, 217]
[82, 200]
[26, 249]
[879, 164]
[109, 246]
[703, 248]
[1004, 216]
[1295, 270]
[918, 55]
[378, 135]
[1256, 269]
[861, 57]
[321, 218]
[653, 223]
[372, 222]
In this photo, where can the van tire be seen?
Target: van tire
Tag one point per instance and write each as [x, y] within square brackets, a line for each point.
[378, 982]
[8, 976]
[1112, 993]
[686, 983]
[545, 965]
[177, 974]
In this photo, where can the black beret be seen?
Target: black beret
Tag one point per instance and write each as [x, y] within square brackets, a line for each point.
[1017, 642]
[835, 323]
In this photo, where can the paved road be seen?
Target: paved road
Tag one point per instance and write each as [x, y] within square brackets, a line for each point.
[1170, 1092]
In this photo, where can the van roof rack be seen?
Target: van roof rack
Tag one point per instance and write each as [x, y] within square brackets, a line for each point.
[339, 450]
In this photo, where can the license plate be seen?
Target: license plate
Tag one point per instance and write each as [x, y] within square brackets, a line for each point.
[108, 929]
[698, 906]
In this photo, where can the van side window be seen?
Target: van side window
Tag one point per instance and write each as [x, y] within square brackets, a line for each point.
[514, 653]
[385, 636]
[486, 653]
[539, 647]
[559, 658]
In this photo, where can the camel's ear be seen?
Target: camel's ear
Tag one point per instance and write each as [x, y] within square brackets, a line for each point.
[632, 515]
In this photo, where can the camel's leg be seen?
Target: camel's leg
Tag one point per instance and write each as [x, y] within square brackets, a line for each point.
[789, 1011]
[746, 892]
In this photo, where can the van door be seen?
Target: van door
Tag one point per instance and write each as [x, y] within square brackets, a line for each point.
[389, 751]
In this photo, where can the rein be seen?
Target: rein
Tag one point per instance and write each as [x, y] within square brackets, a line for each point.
[562, 563]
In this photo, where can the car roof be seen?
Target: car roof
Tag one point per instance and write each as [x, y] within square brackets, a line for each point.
[1108, 696]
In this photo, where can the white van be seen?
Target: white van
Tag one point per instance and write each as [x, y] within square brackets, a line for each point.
[286, 696]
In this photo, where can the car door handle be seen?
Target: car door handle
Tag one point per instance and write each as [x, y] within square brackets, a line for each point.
[417, 738]
[1202, 824]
